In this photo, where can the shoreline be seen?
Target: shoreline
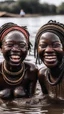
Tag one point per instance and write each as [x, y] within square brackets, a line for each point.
[6, 14]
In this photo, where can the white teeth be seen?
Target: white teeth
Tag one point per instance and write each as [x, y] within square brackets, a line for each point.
[46, 54]
[15, 57]
[50, 60]
[50, 57]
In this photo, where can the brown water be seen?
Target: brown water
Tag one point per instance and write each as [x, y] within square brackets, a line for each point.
[38, 104]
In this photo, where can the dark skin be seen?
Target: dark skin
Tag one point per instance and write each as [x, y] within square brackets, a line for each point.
[50, 50]
[14, 49]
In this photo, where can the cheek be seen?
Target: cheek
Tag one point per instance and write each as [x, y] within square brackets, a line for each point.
[24, 50]
[23, 53]
[5, 48]
[6, 56]
[23, 56]
[59, 51]
[5, 52]
[60, 55]
[41, 53]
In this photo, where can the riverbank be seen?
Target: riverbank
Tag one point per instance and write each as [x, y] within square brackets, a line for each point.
[6, 14]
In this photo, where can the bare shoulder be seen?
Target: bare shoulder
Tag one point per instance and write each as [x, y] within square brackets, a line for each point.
[41, 72]
[32, 71]
[31, 66]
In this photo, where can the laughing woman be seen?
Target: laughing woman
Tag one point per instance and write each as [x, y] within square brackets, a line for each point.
[17, 77]
[49, 47]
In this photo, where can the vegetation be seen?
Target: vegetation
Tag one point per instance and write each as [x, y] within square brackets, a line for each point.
[31, 7]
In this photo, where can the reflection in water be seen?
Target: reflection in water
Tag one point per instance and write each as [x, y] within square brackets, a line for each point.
[38, 104]
[18, 107]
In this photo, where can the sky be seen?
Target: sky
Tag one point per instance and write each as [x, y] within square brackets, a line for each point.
[55, 2]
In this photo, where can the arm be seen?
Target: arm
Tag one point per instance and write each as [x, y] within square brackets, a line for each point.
[33, 82]
[31, 78]
[42, 81]
[32, 88]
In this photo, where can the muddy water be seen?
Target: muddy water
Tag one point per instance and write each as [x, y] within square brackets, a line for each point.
[38, 104]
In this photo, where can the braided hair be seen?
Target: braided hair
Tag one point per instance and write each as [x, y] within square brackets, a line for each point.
[51, 26]
[5, 27]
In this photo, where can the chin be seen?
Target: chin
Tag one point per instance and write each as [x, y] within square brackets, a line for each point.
[14, 63]
[51, 65]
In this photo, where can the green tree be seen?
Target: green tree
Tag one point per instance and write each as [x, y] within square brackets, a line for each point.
[52, 9]
[13, 8]
[45, 9]
[29, 6]
[60, 9]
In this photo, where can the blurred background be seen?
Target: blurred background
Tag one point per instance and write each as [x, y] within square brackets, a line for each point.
[43, 7]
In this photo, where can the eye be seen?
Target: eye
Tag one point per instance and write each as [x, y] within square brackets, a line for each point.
[57, 45]
[7, 44]
[43, 45]
[22, 45]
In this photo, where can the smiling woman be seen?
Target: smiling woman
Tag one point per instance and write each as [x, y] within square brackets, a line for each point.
[49, 47]
[17, 77]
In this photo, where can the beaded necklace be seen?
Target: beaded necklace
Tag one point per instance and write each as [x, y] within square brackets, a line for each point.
[57, 80]
[13, 78]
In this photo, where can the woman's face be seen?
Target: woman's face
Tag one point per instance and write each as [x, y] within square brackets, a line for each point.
[50, 49]
[14, 47]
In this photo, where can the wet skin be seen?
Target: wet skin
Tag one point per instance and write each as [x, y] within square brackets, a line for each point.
[50, 51]
[14, 49]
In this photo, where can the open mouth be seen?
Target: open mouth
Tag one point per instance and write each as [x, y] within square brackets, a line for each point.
[15, 58]
[50, 58]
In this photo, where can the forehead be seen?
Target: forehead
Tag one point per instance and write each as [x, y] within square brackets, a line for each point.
[49, 36]
[15, 35]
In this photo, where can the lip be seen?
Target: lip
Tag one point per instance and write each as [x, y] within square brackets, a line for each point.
[15, 58]
[50, 58]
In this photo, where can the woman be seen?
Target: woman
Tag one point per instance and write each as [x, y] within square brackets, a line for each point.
[17, 77]
[49, 47]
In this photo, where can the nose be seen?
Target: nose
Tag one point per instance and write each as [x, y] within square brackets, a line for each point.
[15, 48]
[49, 49]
